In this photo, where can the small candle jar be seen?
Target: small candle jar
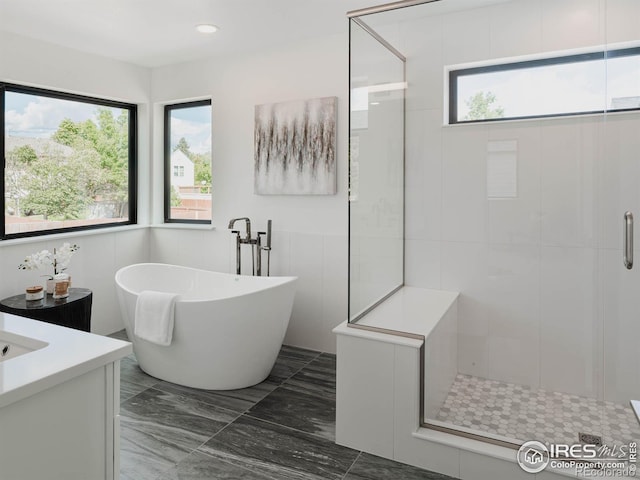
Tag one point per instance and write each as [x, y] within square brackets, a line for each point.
[61, 287]
[34, 293]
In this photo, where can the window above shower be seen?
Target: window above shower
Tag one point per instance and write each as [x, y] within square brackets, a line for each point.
[562, 85]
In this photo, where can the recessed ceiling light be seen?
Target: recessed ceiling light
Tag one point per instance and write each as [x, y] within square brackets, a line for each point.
[207, 28]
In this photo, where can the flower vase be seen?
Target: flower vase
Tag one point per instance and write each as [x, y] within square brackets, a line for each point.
[51, 285]
[61, 287]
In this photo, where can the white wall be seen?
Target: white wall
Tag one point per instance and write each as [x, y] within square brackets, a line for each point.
[31, 62]
[545, 300]
[309, 232]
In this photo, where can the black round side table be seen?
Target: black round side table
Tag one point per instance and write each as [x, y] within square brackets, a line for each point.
[73, 311]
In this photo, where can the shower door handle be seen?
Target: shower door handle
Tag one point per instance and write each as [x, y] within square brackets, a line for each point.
[628, 240]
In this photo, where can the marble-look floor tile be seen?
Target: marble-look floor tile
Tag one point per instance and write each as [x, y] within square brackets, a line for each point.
[370, 467]
[299, 408]
[318, 377]
[239, 400]
[140, 458]
[172, 432]
[167, 409]
[120, 335]
[131, 372]
[297, 353]
[129, 389]
[160, 429]
[199, 466]
[326, 360]
[285, 367]
[278, 451]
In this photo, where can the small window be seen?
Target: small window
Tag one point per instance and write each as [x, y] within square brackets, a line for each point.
[187, 156]
[593, 82]
[70, 162]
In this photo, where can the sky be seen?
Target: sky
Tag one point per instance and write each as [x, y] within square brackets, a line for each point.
[37, 116]
[194, 124]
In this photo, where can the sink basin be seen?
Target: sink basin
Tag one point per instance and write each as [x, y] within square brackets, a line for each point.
[12, 345]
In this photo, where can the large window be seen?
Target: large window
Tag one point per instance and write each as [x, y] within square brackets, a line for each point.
[69, 162]
[187, 154]
[565, 85]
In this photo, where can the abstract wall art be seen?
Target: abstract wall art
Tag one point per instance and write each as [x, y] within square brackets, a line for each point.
[295, 147]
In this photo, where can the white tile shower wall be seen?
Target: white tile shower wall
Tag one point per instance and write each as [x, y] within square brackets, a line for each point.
[516, 29]
[569, 332]
[101, 254]
[620, 300]
[570, 24]
[536, 298]
[464, 188]
[423, 188]
[567, 190]
[441, 361]
[517, 220]
[622, 20]
[619, 174]
[309, 238]
[424, 42]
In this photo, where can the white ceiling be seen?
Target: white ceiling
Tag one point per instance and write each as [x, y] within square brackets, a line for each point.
[152, 33]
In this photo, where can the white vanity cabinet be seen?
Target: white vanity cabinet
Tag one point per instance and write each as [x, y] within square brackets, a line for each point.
[59, 404]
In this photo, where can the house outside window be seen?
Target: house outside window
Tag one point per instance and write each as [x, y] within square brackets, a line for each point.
[187, 140]
[70, 162]
[178, 170]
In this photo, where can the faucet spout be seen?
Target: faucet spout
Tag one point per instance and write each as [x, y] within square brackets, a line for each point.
[247, 225]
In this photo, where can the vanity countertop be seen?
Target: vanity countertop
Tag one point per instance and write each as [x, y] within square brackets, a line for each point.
[69, 353]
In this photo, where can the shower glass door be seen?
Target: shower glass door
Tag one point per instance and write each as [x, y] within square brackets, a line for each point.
[619, 208]
[542, 134]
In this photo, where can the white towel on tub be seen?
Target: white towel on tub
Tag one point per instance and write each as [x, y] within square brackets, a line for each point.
[154, 317]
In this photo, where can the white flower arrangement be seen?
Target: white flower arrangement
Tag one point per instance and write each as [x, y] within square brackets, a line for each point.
[59, 259]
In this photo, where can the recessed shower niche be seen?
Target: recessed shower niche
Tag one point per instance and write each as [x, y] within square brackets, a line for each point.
[494, 153]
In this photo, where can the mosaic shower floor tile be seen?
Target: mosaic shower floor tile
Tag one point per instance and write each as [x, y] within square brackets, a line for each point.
[522, 413]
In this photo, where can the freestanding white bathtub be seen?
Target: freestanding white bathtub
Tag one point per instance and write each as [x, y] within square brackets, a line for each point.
[228, 328]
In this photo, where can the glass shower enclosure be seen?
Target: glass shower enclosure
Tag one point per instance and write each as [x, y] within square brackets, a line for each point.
[376, 166]
[495, 151]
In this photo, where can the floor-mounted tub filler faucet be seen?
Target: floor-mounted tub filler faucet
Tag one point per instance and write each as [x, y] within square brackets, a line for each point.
[256, 246]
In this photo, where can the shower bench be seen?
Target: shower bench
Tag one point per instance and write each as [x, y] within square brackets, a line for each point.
[385, 349]
[394, 369]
